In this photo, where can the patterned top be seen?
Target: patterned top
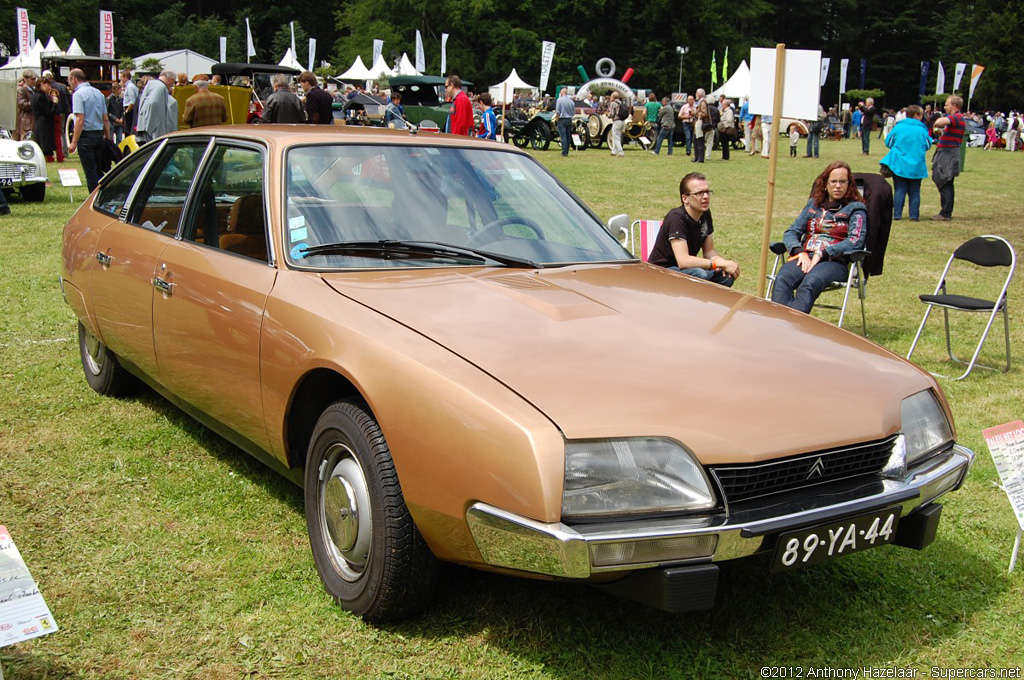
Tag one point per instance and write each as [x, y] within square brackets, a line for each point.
[953, 133]
[205, 108]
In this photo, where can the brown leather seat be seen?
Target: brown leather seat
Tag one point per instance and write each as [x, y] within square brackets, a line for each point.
[246, 233]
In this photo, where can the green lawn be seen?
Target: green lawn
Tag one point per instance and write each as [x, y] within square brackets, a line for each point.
[164, 552]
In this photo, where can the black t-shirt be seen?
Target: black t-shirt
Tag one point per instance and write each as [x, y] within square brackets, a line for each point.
[319, 107]
[679, 224]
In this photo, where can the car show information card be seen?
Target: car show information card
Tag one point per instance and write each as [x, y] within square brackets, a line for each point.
[1006, 444]
[23, 613]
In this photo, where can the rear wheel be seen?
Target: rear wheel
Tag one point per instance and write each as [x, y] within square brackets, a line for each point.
[540, 135]
[102, 371]
[582, 130]
[368, 552]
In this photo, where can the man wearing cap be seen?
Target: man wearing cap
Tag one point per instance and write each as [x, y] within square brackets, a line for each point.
[205, 107]
[26, 118]
[91, 125]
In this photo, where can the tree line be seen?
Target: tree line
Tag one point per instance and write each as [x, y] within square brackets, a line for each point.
[487, 38]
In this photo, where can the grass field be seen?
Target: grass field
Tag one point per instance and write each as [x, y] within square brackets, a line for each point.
[164, 552]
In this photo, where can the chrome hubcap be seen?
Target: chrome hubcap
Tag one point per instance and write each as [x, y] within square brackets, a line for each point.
[93, 354]
[345, 512]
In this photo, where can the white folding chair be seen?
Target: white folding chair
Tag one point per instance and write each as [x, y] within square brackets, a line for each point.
[981, 251]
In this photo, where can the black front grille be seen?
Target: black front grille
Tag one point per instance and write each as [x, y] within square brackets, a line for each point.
[743, 482]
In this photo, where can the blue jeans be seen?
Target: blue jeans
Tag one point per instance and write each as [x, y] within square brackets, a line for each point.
[716, 276]
[665, 133]
[565, 132]
[807, 286]
[865, 140]
[902, 188]
[688, 137]
[813, 140]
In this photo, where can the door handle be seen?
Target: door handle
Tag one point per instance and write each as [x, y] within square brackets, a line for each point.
[162, 285]
[103, 259]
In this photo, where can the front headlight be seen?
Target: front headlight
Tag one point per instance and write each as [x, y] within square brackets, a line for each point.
[26, 151]
[609, 477]
[924, 425]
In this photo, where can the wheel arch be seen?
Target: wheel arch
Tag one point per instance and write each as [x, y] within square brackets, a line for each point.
[317, 390]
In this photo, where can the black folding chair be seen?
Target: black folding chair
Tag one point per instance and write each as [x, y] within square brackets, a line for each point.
[981, 251]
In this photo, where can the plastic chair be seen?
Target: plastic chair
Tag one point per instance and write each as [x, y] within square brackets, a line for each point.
[981, 251]
[864, 263]
[640, 238]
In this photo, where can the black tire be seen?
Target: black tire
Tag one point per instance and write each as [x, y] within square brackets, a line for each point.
[34, 193]
[582, 131]
[539, 134]
[368, 552]
[102, 370]
[520, 139]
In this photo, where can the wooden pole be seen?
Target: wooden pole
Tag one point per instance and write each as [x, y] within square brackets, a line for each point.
[773, 158]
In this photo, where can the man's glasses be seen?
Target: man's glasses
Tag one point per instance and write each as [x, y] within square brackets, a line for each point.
[701, 194]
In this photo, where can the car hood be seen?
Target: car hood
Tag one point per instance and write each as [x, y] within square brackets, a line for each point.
[636, 350]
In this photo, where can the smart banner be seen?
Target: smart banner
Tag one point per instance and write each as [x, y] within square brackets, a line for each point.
[106, 34]
[24, 32]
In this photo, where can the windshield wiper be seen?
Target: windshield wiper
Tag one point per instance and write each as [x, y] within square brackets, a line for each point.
[403, 250]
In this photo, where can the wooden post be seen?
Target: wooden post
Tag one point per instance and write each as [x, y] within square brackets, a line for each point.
[773, 157]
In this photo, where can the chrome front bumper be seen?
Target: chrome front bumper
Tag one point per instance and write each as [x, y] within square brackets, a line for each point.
[512, 541]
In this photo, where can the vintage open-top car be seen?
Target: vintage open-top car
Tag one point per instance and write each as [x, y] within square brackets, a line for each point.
[457, 361]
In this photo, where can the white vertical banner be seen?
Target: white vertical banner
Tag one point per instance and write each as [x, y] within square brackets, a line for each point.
[223, 48]
[444, 52]
[825, 61]
[940, 79]
[295, 55]
[312, 52]
[378, 49]
[547, 53]
[960, 68]
[421, 62]
[843, 63]
[24, 32]
[250, 48]
[975, 77]
[32, 34]
[106, 34]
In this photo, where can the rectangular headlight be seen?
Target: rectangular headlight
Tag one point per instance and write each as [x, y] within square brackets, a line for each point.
[610, 477]
[924, 425]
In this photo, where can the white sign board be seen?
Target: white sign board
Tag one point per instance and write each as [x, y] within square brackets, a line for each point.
[1006, 444]
[69, 177]
[801, 95]
[23, 613]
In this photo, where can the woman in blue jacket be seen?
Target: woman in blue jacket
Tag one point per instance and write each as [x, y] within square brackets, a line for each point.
[908, 143]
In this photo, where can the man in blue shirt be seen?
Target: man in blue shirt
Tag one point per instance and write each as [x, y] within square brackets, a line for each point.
[565, 109]
[91, 125]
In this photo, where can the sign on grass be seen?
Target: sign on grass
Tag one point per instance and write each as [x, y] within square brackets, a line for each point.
[23, 613]
[1006, 444]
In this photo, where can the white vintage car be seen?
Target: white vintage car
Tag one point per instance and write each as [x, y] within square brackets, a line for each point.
[22, 167]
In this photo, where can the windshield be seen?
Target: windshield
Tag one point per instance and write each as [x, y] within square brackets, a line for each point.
[483, 200]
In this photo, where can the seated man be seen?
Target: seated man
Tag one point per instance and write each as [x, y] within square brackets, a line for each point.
[686, 231]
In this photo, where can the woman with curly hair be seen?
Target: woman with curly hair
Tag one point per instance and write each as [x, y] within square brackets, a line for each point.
[832, 224]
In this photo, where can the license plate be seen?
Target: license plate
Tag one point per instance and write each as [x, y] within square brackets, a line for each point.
[821, 543]
[6, 182]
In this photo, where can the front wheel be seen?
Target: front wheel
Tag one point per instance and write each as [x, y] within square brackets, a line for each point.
[368, 552]
[540, 136]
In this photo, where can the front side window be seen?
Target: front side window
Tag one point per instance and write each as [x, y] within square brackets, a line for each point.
[114, 192]
[343, 199]
[161, 199]
[228, 208]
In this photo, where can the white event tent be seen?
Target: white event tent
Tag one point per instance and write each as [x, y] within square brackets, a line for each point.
[357, 71]
[52, 46]
[179, 61]
[75, 50]
[380, 69]
[504, 91]
[290, 61]
[405, 67]
[738, 84]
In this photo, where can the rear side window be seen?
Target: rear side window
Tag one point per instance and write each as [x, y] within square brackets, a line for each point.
[114, 193]
[161, 199]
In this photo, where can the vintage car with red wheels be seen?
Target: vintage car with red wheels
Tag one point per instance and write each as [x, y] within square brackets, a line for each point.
[454, 359]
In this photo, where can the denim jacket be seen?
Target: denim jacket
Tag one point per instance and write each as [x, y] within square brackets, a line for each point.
[839, 231]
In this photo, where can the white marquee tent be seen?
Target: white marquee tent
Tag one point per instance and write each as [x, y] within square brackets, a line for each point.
[290, 61]
[405, 67]
[738, 84]
[357, 71]
[506, 89]
[179, 61]
[380, 69]
[75, 50]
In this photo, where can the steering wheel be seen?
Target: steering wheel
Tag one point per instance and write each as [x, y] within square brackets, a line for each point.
[492, 231]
